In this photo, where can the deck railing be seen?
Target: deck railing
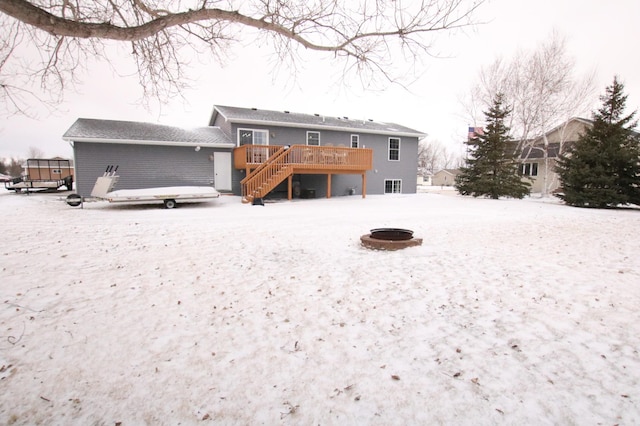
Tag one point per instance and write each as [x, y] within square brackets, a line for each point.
[306, 157]
[250, 156]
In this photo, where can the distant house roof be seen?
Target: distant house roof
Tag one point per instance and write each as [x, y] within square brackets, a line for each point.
[452, 172]
[562, 135]
[579, 125]
[114, 131]
[309, 121]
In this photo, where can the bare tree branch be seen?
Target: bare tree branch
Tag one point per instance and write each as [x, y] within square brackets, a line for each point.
[363, 34]
[433, 156]
[541, 89]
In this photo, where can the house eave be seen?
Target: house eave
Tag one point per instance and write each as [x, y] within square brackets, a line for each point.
[326, 127]
[150, 142]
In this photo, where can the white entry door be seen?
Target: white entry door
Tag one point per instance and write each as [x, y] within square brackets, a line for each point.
[222, 171]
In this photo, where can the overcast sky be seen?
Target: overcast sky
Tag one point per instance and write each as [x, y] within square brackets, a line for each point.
[601, 36]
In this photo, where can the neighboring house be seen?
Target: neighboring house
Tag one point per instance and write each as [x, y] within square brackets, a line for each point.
[251, 152]
[445, 177]
[424, 180]
[532, 158]
[535, 167]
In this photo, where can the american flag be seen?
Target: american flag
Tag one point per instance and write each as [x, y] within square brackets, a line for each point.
[475, 131]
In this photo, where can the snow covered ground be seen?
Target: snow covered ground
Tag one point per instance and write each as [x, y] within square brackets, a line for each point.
[511, 312]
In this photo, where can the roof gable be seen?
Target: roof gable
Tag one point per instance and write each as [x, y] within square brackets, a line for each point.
[309, 121]
[557, 139]
[114, 131]
[569, 131]
[451, 172]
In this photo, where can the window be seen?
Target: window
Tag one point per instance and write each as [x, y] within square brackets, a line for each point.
[394, 149]
[392, 186]
[252, 137]
[313, 138]
[529, 169]
[355, 141]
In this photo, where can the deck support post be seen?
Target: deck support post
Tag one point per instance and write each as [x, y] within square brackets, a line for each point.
[289, 187]
[364, 185]
[329, 185]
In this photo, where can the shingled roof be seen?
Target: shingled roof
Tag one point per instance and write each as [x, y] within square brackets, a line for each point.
[537, 152]
[309, 121]
[114, 131]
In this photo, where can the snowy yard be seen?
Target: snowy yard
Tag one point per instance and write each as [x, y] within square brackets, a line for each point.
[511, 312]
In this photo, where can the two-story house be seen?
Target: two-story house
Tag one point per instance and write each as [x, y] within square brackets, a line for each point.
[253, 153]
[540, 155]
[324, 154]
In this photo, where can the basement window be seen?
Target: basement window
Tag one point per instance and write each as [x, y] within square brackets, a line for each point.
[393, 186]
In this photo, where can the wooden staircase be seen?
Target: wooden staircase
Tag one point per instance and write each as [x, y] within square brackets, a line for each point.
[267, 176]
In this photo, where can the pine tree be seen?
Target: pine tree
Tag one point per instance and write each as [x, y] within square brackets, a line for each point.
[602, 169]
[492, 168]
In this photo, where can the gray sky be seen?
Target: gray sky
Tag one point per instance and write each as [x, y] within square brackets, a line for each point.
[601, 36]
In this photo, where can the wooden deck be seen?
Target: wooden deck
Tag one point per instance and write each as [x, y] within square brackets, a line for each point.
[268, 166]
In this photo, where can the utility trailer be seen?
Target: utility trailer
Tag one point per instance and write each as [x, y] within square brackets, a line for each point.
[43, 174]
[168, 196]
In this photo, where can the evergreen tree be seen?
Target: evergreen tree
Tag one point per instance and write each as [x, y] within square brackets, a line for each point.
[602, 169]
[492, 169]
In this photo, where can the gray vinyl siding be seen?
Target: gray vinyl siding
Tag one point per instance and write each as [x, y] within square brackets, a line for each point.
[406, 169]
[295, 136]
[224, 125]
[142, 166]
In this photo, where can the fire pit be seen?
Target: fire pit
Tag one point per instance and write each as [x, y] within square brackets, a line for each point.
[390, 239]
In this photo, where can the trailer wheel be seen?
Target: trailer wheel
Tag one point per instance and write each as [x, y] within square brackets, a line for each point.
[169, 204]
[74, 200]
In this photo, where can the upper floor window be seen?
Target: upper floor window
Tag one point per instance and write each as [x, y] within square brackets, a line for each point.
[529, 169]
[252, 137]
[313, 138]
[394, 149]
[355, 141]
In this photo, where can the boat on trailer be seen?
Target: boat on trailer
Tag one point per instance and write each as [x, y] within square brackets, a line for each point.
[169, 196]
